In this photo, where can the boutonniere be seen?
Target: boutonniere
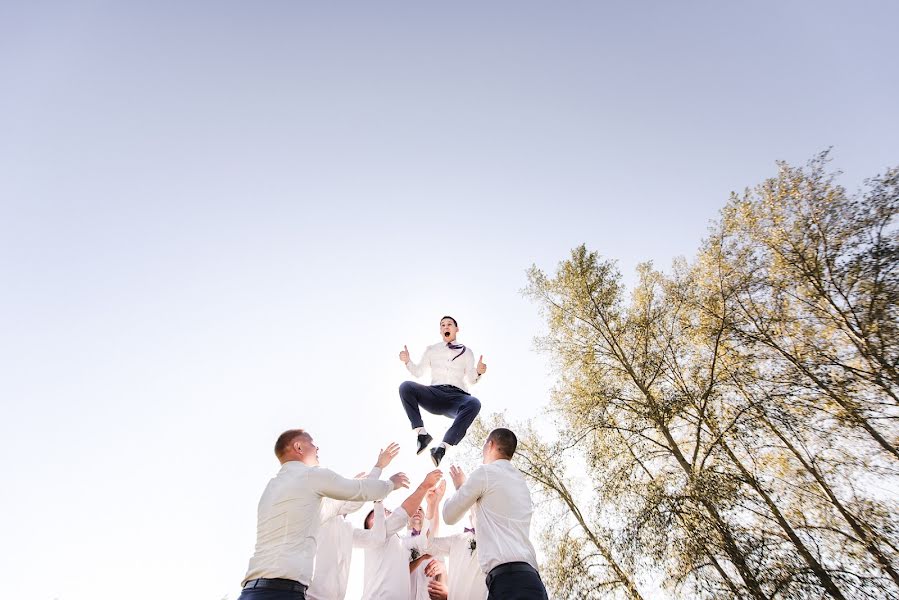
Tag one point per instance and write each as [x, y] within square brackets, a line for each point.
[415, 554]
[472, 545]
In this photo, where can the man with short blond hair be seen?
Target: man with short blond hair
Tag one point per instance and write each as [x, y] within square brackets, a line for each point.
[289, 517]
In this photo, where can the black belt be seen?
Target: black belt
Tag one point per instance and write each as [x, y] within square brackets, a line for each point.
[453, 388]
[510, 567]
[275, 584]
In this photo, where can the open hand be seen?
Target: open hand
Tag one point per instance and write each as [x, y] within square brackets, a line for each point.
[457, 475]
[439, 490]
[399, 481]
[387, 454]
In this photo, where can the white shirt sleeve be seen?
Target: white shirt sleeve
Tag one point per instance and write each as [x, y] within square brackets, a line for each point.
[465, 497]
[331, 508]
[471, 369]
[331, 485]
[346, 507]
[374, 537]
[419, 369]
[396, 521]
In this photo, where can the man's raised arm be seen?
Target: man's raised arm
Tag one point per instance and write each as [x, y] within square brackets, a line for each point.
[331, 485]
[384, 458]
[467, 493]
[417, 370]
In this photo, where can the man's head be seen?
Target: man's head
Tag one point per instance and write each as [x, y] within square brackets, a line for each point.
[296, 444]
[448, 329]
[500, 445]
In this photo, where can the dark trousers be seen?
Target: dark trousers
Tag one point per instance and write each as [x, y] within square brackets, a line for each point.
[267, 594]
[515, 581]
[444, 400]
[273, 589]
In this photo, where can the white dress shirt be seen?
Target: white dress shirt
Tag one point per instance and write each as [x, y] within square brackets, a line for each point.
[466, 581]
[289, 517]
[419, 582]
[417, 578]
[335, 548]
[445, 370]
[387, 556]
[501, 502]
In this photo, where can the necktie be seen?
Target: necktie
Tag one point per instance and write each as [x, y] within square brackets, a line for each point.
[469, 529]
[453, 346]
[416, 532]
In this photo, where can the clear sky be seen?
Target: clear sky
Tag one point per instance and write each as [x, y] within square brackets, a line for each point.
[220, 220]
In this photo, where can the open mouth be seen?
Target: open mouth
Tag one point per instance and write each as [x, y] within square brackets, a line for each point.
[446, 334]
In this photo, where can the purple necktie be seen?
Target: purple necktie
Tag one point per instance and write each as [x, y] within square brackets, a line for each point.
[416, 532]
[453, 346]
[469, 529]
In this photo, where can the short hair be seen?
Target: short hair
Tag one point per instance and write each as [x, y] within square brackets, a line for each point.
[504, 440]
[365, 522]
[451, 319]
[286, 439]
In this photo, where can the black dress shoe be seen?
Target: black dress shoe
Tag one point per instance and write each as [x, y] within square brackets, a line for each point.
[437, 455]
[423, 440]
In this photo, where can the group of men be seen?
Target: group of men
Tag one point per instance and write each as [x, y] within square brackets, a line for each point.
[304, 543]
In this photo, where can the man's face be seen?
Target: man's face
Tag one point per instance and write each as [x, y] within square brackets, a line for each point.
[417, 519]
[307, 449]
[448, 330]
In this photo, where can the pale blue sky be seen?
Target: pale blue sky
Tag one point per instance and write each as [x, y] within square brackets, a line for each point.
[219, 220]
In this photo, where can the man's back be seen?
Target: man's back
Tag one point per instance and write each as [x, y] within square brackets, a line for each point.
[503, 511]
[286, 525]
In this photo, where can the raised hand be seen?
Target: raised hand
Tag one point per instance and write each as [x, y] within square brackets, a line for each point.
[457, 475]
[404, 354]
[482, 366]
[432, 478]
[399, 480]
[387, 454]
[436, 493]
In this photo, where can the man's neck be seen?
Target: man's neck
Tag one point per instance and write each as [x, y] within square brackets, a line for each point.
[493, 458]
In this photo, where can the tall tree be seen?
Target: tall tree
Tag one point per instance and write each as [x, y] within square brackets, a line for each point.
[728, 411]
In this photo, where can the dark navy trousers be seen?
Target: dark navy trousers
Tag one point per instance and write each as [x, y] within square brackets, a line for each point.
[515, 581]
[445, 400]
[269, 594]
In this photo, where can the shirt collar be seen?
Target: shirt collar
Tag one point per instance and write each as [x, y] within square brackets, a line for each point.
[294, 465]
